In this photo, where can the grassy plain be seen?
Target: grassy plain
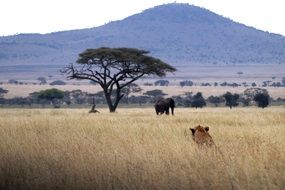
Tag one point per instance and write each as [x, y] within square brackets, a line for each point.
[135, 149]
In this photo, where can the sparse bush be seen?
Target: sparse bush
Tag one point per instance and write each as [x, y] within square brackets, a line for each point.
[58, 82]
[186, 83]
[206, 84]
[276, 84]
[13, 81]
[239, 73]
[154, 93]
[42, 80]
[266, 83]
[148, 84]
[161, 83]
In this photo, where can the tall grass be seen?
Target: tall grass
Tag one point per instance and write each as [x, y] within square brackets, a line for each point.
[135, 149]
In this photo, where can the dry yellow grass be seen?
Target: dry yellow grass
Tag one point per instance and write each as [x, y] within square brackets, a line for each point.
[135, 149]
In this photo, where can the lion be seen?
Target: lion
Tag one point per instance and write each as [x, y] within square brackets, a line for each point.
[201, 136]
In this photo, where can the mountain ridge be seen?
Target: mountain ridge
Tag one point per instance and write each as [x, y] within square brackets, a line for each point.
[176, 33]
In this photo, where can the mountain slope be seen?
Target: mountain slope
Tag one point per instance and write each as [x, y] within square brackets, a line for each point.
[176, 33]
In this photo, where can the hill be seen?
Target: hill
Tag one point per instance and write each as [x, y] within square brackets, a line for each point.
[176, 33]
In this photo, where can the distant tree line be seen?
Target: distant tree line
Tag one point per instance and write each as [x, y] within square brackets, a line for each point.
[133, 95]
[41, 81]
[183, 83]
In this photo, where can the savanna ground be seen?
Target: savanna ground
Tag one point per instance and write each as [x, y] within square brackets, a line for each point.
[25, 90]
[135, 149]
[198, 73]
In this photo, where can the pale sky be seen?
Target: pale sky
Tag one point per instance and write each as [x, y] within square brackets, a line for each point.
[45, 16]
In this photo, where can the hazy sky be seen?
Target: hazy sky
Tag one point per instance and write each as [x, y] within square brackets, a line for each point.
[44, 16]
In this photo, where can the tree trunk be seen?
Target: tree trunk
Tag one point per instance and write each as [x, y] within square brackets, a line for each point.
[109, 102]
[113, 107]
[119, 96]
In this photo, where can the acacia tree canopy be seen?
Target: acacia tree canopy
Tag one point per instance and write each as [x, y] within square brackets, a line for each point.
[198, 100]
[231, 99]
[115, 68]
[52, 95]
[262, 99]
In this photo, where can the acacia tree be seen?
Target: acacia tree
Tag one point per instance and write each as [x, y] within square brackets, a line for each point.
[53, 95]
[231, 99]
[262, 99]
[115, 68]
[250, 93]
[130, 88]
[198, 101]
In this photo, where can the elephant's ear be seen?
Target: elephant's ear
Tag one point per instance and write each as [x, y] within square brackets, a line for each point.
[193, 131]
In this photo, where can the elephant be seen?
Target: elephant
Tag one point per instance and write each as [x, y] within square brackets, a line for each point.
[163, 105]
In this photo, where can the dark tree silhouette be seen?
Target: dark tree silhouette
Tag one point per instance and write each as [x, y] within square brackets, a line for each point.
[216, 100]
[2, 92]
[253, 84]
[58, 82]
[262, 99]
[114, 69]
[186, 83]
[231, 99]
[198, 100]
[161, 83]
[42, 80]
[239, 73]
